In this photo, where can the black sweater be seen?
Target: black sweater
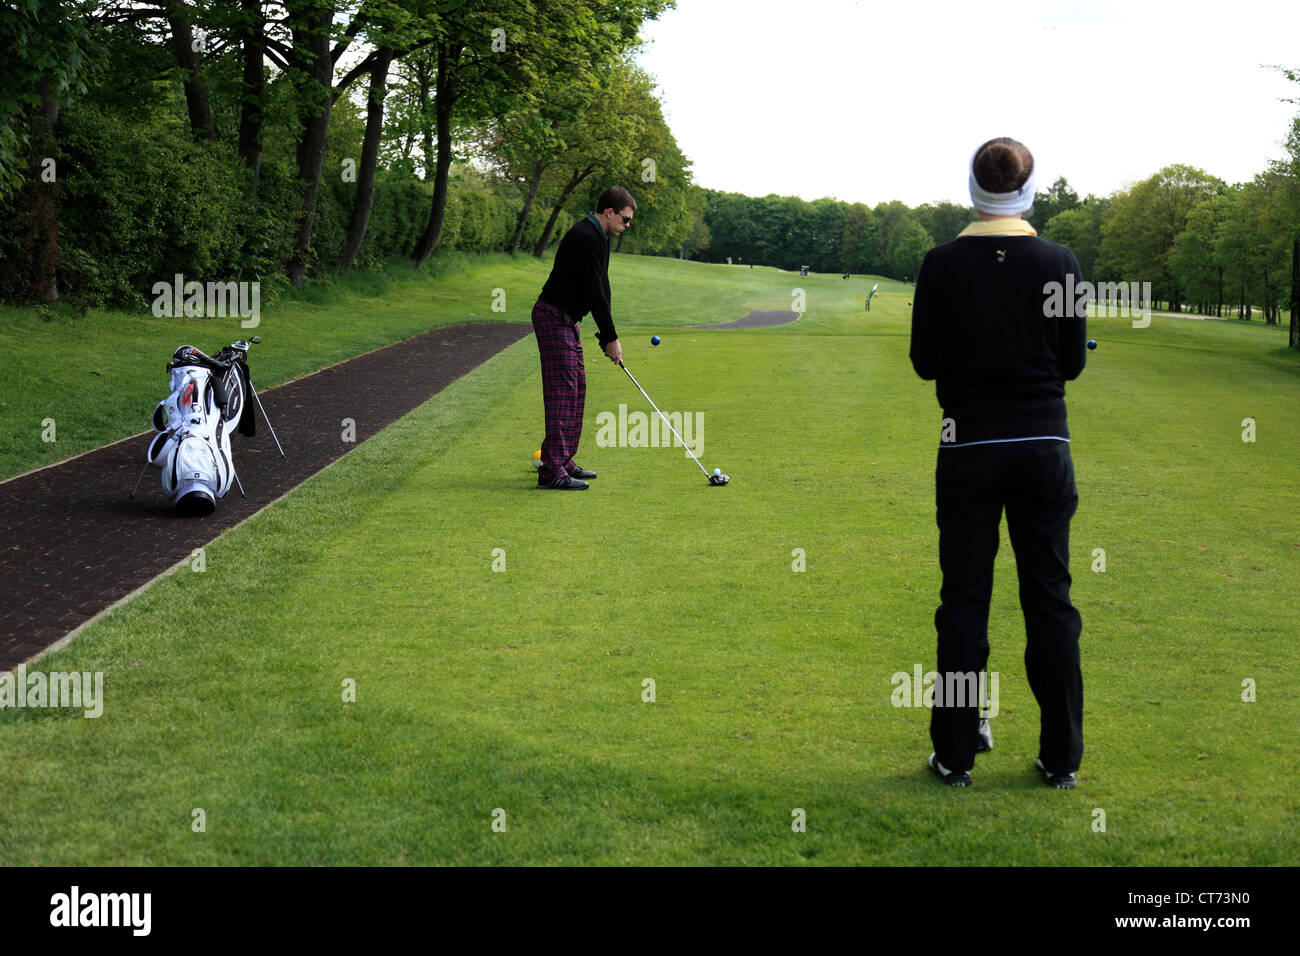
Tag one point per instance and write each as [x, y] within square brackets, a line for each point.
[980, 329]
[579, 280]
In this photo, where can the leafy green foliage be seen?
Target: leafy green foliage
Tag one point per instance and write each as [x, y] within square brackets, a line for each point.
[44, 60]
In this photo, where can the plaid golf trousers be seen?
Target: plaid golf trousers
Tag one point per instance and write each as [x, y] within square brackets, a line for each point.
[564, 388]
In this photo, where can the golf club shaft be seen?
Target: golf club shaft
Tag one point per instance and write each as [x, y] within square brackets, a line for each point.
[665, 418]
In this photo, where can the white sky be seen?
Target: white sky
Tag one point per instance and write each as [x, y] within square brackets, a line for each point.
[882, 99]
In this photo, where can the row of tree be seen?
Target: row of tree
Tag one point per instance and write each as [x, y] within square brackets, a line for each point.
[827, 235]
[268, 115]
[1199, 241]
[277, 139]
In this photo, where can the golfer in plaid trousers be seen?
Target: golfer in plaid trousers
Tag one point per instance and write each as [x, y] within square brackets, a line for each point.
[578, 284]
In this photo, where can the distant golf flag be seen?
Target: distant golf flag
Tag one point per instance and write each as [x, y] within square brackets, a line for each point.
[871, 295]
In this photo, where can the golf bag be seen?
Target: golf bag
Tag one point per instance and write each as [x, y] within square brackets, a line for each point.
[209, 399]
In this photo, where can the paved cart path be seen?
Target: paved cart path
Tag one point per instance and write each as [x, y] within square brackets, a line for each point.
[72, 543]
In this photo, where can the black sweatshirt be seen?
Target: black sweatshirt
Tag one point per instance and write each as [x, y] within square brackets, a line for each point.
[579, 280]
[982, 329]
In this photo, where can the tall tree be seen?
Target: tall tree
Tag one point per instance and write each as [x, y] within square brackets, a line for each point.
[658, 175]
[597, 144]
[365, 198]
[908, 246]
[493, 54]
[1138, 236]
[1080, 231]
[857, 217]
[1059, 198]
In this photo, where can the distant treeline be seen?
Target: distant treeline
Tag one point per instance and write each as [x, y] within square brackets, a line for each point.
[281, 140]
[1199, 241]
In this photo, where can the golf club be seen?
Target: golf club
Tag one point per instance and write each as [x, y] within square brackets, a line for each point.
[714, 479]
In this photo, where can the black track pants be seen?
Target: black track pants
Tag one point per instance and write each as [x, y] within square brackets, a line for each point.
[1034, 482]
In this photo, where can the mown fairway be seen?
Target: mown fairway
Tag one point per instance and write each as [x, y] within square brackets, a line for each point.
[522, 689]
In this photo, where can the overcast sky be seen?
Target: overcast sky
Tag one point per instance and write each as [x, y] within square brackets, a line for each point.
[871, 101]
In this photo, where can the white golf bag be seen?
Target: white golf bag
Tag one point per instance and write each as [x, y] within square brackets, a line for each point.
[194, 422]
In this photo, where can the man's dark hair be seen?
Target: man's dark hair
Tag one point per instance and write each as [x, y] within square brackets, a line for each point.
[1003, 165]
[616, 198]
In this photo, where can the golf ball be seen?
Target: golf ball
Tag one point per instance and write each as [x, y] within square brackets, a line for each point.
[654, 340]
[717, 471]
[1092, 343]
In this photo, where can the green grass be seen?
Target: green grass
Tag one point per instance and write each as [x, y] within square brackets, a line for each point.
[522, 689]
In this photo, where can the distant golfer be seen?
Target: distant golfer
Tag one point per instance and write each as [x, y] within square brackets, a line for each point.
[979, 328]
[578, 284]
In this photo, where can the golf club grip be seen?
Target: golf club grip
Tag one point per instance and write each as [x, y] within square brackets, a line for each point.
[200, 357]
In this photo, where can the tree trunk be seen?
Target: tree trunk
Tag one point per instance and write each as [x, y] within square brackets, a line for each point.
[1295, 295]
[577, 177]
[254, 88]
[444, 99]
[533, 185]
[1218, 311]
[44, 236]
[191, 64]
[426, 131]
[313, 46]
[369, 161]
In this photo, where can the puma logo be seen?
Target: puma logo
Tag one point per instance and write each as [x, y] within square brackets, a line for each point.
[1002, 254]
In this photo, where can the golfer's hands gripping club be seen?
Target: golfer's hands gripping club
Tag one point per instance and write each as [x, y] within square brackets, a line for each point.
[615, 352]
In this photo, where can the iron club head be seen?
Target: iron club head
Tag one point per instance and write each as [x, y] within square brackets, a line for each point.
[719, 479]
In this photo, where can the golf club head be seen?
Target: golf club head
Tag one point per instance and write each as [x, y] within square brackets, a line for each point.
[719, 479]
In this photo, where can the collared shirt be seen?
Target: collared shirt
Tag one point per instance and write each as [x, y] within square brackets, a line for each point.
[999, 227]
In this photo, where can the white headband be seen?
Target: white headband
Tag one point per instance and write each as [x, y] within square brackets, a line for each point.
[1001, 204]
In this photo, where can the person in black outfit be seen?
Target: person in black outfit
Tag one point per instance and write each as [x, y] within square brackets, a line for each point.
[982, 328]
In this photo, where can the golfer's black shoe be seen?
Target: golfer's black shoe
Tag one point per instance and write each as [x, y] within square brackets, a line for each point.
[985, 743]
[1061, 781]
[564, 483]
[583, 473]
[947, 776]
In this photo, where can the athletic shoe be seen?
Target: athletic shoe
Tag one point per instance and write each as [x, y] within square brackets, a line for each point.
[1061, 781]
[947, 776]
[564, 483]
[583, 473]
[986, 737]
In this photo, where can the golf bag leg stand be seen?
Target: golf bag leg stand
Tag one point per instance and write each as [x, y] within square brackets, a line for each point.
[264, 416]
[140, 479]
[234, 474]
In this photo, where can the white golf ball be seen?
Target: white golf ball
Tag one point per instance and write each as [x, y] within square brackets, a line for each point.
[717, 471]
